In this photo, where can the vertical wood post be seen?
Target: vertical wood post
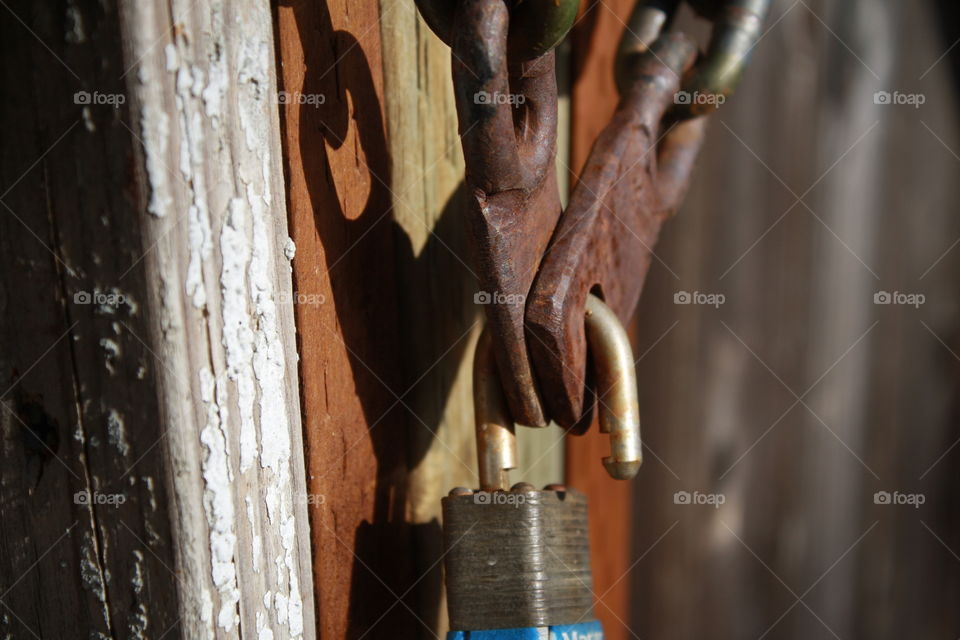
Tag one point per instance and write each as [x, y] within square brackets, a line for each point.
[150, 366]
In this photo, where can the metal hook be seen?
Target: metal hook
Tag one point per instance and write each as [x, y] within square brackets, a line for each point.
[616, 388]
[496, 440]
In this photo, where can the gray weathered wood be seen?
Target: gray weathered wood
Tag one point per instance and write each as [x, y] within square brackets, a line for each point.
[147, 336]
[879, 207]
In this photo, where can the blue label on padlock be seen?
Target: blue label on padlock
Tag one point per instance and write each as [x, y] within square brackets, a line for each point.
[591, 630]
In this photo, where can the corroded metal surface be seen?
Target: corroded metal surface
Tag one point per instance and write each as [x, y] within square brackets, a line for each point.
[634, 178]
[539, 25]
[518, 558]
[630, 185]
[508, 126]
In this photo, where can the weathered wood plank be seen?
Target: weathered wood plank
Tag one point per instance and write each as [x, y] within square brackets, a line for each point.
[169, 393]
[79, 413]
[204, 99]
[354, 395]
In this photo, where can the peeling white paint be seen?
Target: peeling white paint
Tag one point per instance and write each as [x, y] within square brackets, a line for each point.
[238, 337]
[90, 574]
[88, 122]
[257, 542]
[171, 57]
[75, 32]
[111, 352]
[263, 632]
[148, 480]
[138, 623]
[155, 132]
[218, 500]
[137, 578]
[221, 277]
[116, 432]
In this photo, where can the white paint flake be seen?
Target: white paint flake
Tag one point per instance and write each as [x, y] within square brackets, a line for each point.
[88, 122]
[263, 632]
[155, 132]
[238, 337]
[111, 352]
[137, 578]
[75, 32]
[116, 432]
[218, 500]
[256, 542]
[171, 57]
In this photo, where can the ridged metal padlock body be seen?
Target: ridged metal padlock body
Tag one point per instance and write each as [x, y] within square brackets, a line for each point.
[517, 559]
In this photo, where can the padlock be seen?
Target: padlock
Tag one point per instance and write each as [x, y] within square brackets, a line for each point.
[517, 560]
[518, 564]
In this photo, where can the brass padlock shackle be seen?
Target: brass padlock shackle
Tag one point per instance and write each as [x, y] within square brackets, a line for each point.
[616, 382]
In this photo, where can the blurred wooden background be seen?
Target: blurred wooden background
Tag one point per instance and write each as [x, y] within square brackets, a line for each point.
[799, 398]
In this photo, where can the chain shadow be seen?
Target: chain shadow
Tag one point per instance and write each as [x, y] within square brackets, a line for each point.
[399, 344]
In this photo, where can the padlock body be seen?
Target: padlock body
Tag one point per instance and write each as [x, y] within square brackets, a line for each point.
[517, 560]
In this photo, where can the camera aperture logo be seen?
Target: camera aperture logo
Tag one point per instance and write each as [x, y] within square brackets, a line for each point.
[898, 297]
[496, 98]
[85, 497]
[497, 297]
[898, 98]
[697, 297]
[896, 498]
[697, 498]
[499, 498]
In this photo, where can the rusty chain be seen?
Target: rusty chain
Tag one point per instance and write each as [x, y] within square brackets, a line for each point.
[523, 246]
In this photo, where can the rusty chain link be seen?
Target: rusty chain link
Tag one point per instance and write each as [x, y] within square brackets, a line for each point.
[524, 247]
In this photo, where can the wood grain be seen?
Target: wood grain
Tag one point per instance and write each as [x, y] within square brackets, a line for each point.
[216, 256]
[339, 181]
[594, 97]
[717, 392]
[153, 472]
[78, 407]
